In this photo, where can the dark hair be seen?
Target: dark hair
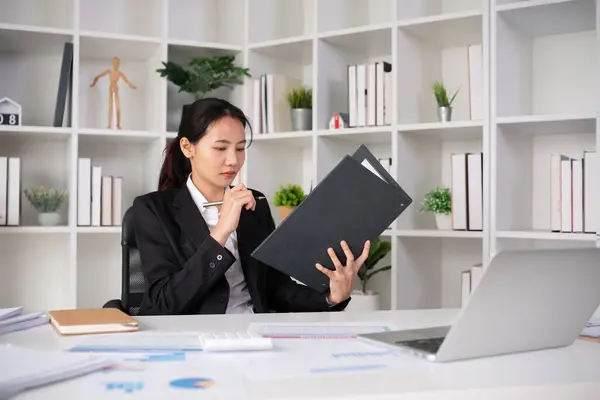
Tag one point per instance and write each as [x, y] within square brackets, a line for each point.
[196, 118]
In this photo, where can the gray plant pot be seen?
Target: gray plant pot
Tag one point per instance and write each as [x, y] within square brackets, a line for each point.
[301, 119]
[49, 219]
[445, 114]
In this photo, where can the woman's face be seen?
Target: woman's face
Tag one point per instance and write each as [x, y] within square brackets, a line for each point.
[218, 157]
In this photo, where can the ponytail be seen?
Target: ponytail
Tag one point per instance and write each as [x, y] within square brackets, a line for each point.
[196, 118]
[175, 169]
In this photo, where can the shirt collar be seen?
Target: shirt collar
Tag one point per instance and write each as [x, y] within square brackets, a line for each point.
[197, 196]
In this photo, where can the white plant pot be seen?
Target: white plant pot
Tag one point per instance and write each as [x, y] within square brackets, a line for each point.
[49, 219]
[443, 221]
[363, 302]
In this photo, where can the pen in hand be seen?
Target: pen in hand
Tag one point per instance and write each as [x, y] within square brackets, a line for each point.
[218, 203]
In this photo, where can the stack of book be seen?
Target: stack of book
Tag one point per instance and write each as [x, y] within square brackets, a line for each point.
[10, 191]
[270, 111]
[467, 191]
[573, 191]
[370, 94]
[99, 197]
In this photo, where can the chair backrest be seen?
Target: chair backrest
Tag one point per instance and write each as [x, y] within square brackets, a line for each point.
[132, 282]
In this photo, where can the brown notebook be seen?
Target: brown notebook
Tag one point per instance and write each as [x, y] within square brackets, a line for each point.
[92, 320]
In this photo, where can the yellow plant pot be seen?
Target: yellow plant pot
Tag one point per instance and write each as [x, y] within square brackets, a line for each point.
[285, 211]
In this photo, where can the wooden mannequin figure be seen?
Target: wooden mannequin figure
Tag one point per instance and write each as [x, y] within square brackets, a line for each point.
[113, 94]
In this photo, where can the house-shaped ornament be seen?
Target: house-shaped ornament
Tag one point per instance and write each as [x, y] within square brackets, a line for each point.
[10, 112]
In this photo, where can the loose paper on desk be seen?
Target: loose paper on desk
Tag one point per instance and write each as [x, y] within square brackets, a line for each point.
[164, 375]
[317, 330]
[12, 319]
[22, 368]
[592, 329]
[297, 358]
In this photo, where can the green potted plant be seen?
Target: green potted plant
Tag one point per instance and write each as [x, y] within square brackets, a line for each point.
[287, 198]
[439, 202]
[46, 202]
[444, 101]
[204, 75]
[365, 299]
[300, 101]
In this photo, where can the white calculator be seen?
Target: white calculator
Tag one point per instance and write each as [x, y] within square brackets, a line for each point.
[234, 341]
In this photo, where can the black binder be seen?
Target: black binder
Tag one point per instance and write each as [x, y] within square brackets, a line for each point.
[353, 202]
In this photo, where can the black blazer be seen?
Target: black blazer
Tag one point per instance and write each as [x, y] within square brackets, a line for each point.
[184, 266]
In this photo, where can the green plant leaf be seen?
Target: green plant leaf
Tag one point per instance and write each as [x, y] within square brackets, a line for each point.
[204, 74]
[371, 274]
[441, 94]
[300, 98]
[46, 200]
[378, 250]
[438, 200]
[289, 196]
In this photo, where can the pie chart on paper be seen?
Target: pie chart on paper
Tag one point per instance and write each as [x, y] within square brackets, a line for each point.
[193, 383]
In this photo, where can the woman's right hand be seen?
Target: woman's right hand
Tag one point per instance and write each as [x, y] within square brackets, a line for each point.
[229, 218]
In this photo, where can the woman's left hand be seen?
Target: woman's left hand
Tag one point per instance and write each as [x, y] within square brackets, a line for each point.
[341, 280]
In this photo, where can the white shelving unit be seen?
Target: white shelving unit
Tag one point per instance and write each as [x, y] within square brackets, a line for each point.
[541, 94]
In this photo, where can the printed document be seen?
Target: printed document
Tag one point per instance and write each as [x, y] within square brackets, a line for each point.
[294, 358]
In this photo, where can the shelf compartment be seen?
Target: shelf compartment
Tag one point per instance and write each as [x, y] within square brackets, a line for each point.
[369, 135]
[136, 160]
[439, 233]
[30, 63]
[98, 269]
[34, 230]
[290, 64]
[37, 151]
[138, 60]
[206, 21]
[37, 264]
[336, 52]
[440, 49]
[413, 9]
[424, 163]
[521, 192]
[271, 164]
[38, 13]
[294, 138]
[333, 15]
[428, 270]
[546, 18]
[543, 59]
[331, 150]
[547, 236]
[182, 55]
[547, 124]
[132, 17]
[450, 130]
[34, 131]
[276, 19]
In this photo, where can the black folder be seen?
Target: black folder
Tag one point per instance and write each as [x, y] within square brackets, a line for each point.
[355, 202]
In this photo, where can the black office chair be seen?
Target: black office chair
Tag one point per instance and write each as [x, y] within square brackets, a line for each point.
[132, 279]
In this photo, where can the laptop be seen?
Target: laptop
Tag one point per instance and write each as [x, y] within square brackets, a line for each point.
[526, 300]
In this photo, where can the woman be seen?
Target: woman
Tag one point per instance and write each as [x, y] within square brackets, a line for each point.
[196, 260]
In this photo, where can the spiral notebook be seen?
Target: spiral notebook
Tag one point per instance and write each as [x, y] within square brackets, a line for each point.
[355, 202]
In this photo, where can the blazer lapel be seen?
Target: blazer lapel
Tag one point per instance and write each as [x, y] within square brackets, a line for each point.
[189, 217]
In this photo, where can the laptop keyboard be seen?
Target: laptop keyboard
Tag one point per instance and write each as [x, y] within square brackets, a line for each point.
[431, 345]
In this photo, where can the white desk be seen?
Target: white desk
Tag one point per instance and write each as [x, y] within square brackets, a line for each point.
[566, 373]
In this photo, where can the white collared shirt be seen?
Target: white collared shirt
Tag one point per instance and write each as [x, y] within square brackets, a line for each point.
[239, 297]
